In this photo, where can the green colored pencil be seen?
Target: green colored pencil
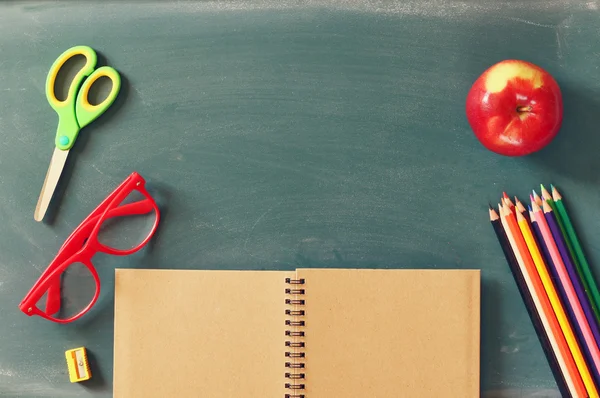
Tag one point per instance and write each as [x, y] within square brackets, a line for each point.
[583, 268]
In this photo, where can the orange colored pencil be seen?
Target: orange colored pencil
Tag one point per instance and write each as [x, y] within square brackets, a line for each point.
[557, 339]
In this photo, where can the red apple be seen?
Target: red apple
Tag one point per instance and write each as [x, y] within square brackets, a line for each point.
[515, 108]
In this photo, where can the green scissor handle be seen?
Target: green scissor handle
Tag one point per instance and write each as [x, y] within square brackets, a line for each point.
[75, 111]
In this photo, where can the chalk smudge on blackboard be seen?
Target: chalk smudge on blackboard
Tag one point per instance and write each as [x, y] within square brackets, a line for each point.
[6, 372]
[527, 22]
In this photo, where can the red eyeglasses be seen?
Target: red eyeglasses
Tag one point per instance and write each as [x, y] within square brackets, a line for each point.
[83, 244]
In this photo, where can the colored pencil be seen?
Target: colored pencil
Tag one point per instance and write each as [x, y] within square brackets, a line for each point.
[565, 284]
[541, 245]
[538, 236]
[519, 206]
[548, 199]
[536, 198]
[550, 290]
[581, 296]
[536, 320]
[542, 303]
[580, 260]
[561, 225]
[545, 194]
[507, 201]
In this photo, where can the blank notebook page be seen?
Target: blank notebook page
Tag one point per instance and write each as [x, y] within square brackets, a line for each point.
[217, 334]
[391, 333]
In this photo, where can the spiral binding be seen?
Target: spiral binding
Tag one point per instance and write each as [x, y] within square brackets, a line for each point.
[296, 354]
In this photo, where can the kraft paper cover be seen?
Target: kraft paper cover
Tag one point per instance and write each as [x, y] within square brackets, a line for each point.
[392, 333]
[217, 334]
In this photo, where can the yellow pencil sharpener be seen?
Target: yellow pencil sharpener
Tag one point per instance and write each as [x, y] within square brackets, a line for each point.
[77, 362]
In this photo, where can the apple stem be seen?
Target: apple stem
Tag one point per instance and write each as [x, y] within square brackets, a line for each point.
[523, 109]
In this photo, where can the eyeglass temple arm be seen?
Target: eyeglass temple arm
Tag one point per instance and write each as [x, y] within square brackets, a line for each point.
[140, 207]
[53, 299]
[130, 209]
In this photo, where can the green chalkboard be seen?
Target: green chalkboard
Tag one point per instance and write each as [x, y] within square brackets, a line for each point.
[283, 134]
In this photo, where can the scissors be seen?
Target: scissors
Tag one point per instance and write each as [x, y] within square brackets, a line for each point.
[74, 113]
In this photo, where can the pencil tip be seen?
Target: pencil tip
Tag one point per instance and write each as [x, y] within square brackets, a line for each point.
[504, 195]
[535, 207]
[519, 205]
[546, 207]
[545, 194]
[493, 215]
[535, 195]
[520, 216]
[508, 202]
[555, 194]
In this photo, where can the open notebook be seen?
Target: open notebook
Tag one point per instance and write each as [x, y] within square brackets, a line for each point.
[313, 333]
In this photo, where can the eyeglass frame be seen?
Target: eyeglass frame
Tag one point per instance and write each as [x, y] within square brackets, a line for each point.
[81, 246]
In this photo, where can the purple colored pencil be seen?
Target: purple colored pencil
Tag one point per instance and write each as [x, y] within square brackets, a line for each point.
[564, 253]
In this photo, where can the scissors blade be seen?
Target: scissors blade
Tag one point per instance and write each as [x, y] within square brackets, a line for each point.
[52, 176]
